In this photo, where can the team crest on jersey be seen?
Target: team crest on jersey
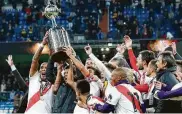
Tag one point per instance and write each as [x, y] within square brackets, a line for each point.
[109, 97]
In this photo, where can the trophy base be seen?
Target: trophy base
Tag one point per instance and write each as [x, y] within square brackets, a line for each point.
[59, 56]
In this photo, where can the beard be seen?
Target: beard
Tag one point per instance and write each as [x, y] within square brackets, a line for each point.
[140, 67]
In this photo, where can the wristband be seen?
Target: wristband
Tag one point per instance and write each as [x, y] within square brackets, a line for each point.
[13, 68]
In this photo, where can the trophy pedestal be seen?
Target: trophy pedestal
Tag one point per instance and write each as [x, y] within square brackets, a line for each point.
[59, 55]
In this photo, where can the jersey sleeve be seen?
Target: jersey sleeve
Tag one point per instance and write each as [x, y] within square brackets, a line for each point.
[35, 77]
[132, 59]
[101, 66]
[114, 97]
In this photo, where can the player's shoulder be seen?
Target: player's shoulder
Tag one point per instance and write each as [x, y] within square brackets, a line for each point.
[35, 76]
[95, 100]
[130, 88]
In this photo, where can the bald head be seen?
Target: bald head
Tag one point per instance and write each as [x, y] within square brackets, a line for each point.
[121, 72]
[118, 74]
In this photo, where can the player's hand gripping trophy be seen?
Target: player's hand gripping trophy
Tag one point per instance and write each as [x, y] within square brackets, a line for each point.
[58, 36]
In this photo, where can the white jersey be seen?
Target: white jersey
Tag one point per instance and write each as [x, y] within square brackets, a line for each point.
[94, 88]
[121, 103]
[143, 80]
[151, 88]
[108, 89]
[79, 110]
[90, 102]
[44, 105]
[94, 100]
[95, 91]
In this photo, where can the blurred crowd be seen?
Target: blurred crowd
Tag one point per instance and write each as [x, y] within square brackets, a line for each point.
[78, 17]
[151, 75]
[137, 18]
[146, 18]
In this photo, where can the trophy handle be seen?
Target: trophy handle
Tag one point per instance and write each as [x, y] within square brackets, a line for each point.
[53, 20]
[49, 2]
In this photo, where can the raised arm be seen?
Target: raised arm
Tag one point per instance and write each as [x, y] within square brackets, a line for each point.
[97, 62]
[120, 51]
[70, 79]
[36, 57]
[17, 75]
[58, 78]
[132, 58]
[77, 63]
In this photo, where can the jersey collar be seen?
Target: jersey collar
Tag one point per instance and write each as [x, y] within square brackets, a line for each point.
[122, 82]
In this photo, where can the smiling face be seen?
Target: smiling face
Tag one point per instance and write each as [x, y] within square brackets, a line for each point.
[42, 71]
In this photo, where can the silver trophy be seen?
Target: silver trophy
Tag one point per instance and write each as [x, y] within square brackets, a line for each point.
[58, 36]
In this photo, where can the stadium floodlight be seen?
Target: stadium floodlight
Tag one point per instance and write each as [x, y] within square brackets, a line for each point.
[102, 49]
[107, 49]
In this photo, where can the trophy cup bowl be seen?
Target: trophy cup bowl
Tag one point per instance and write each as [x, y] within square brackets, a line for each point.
[58, 36]
[51, 11]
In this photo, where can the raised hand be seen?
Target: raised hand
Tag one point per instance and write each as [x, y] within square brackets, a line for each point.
[121, 48]
[68, 51]
[73, 51]
[88, 49]
[10, 60]
[128, 42]
[45, 39]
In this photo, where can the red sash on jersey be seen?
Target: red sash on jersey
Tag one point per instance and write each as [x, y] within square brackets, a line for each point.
[98, 98]
[36, 97]
[95, 97]
[142, 78]
[125, 92]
